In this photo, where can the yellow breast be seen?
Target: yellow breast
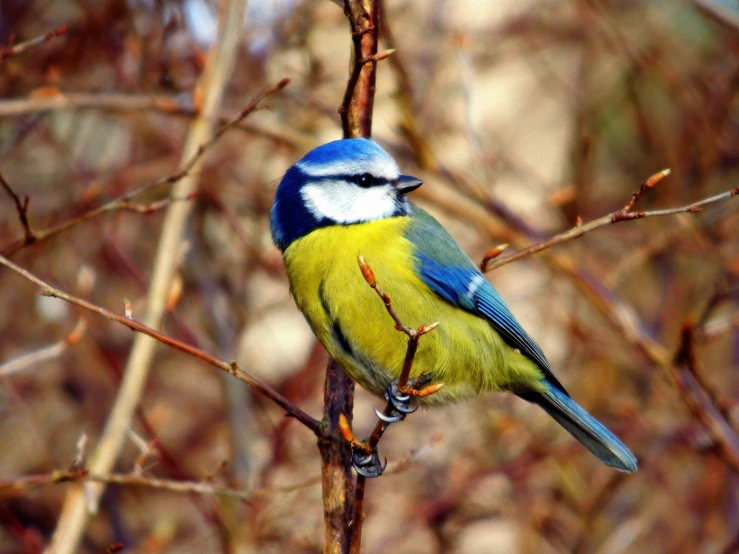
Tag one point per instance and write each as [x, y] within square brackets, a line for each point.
[351, 321]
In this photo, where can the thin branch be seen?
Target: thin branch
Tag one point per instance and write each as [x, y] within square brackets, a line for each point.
[13, 50]
[44, 354]
[10, 486]
[229, 367]
[371, 443]
[52, 99]
[21, 206]
[124, 202]
[686, 374]
[359, 96]
[624, 214]
[718, 327]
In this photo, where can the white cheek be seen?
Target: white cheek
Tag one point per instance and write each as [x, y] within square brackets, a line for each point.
[347, 203]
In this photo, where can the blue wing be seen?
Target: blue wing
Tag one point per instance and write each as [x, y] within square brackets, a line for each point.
[449, 272]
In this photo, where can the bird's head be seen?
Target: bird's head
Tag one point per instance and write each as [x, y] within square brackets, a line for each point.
[339, 183]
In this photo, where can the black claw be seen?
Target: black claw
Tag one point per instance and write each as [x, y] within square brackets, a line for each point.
[368, 465]
[400, 401]
[421, 381]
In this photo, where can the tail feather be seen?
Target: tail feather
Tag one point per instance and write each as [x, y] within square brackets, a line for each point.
[585, 428]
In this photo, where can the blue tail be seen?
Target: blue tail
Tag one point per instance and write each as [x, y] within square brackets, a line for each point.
[585, 428]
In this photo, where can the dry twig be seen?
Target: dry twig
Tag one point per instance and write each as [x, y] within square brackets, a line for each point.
[625, 214]
[11, 486]
[44, 354]
[208, 96]
[229, 367]
[687, 376]
[21, 206]
[123, 203]
[13, 50]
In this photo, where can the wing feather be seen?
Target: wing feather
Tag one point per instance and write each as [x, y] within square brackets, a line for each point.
[450, 273]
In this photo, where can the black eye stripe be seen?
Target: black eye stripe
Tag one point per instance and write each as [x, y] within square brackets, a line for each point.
[376, 181]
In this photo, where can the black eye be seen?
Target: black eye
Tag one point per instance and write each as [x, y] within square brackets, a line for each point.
[364, 180]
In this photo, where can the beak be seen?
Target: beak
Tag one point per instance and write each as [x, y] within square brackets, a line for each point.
[406, 184]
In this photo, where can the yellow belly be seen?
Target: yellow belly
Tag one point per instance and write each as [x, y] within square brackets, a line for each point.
[464, 352]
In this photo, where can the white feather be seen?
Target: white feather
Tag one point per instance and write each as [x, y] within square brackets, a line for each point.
[345, 202]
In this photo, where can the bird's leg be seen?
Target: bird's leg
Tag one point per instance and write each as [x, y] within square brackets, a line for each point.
[365, 459]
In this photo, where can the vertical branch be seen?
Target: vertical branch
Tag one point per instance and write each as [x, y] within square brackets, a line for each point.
[336, 458]
[356, 121]
[208, 96]
[359, 97]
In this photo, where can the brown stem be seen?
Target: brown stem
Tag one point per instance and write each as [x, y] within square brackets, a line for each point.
[684, 371]
[336, 456]
[229, 367]
[615, 217]
[359, 96]
[356, 121]
[21, 207]
[78, 474]
[124, 202]
[14, 50]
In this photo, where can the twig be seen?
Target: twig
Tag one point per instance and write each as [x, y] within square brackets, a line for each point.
[52, 99]
[21, 207]
[44, 354]
[715, 328]
[208, 95]
[595, 507]
[229, 367]
[124, 202]
[13, 50]
[491, 254]
[371, 443]
[359, 96]
[10, 486]
[624, 214]
[686, 375]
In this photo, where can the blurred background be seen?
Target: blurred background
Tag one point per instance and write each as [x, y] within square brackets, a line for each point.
[520, 116]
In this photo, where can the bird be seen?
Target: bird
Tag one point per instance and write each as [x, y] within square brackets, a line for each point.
[348, 198]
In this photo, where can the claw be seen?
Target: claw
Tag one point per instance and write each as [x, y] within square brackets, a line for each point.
[421, 381]
[399, 401]
[364, 460]
[404, 409]
[387, 419]
[368, 465]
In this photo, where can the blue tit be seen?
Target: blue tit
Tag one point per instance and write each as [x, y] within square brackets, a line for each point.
[347, 198]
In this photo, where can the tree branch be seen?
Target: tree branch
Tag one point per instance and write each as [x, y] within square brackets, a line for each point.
[13, 50]
[207, 98]
[123, 203]
[21, 207]
[625, 214]
[44, 354]
[229, 367]
[356, 121]
[80, 474]
[688, 379]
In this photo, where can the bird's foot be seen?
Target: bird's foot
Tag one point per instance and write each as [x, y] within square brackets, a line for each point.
[367, 463]
[399, 399]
